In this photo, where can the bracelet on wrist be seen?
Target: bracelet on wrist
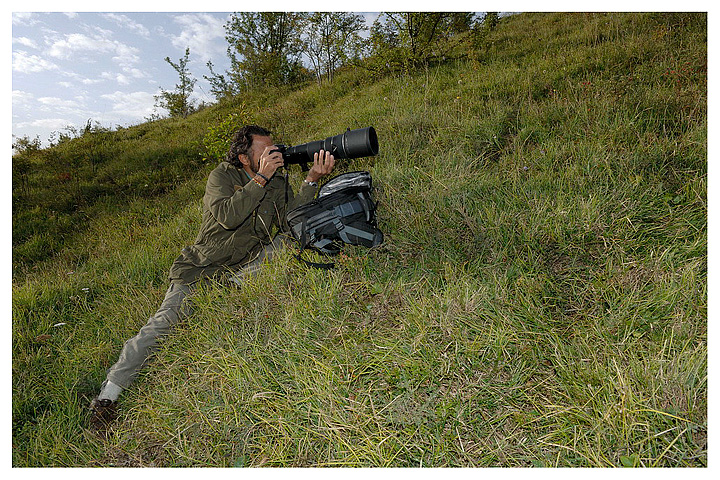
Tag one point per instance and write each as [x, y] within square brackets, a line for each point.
[263, 176]
[256, 181]
[312, 184]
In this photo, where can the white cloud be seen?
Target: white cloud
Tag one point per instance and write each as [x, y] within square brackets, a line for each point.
[200, 32]
[27, 42]
[79, 78]
[43, 107]
[45, 123]
[96, 48]
[67, 109]
[21, 98]
[57, 103]
[126, 22]
[126, 56]
[24, 18]
[124, 78]
[77, 43]
[134, 105]
[136, 73]
[23, 62]
[88, 81]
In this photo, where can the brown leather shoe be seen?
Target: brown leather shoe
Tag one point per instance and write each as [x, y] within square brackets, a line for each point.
[103, 413]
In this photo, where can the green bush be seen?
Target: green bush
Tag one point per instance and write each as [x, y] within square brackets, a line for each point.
[217, 139]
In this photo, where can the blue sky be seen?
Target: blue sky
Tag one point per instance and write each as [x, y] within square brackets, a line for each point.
[69, 68]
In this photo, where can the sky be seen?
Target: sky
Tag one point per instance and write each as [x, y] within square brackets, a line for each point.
[106, 68]
[71, 68]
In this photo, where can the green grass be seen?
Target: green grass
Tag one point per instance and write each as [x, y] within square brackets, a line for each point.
[541, 298]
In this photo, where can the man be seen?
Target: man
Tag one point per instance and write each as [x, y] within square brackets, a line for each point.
[243, 210]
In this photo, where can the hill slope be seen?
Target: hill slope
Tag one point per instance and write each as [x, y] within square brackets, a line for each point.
[541, 299]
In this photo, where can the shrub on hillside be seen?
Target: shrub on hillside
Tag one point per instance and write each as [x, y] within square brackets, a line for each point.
[218, 137]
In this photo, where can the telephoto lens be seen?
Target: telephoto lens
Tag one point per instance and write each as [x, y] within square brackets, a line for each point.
[362, 142]
[358, 143]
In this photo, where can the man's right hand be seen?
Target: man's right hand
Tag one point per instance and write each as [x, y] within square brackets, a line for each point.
[270, 160]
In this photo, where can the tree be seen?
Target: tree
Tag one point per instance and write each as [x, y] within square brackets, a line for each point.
[417, 31]
[331, 40]
[264, 49]
[491, 20]
[220, 86]
[178, 102]
[411, 39]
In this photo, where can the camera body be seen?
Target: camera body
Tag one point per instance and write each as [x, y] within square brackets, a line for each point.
[362, 142]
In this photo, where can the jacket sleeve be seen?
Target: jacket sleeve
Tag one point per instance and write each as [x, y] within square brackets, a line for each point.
[230, 207]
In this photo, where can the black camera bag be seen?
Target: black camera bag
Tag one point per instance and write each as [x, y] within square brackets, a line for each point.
[343, 212]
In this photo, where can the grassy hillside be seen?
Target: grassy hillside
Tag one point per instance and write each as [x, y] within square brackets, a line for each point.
[541, 298]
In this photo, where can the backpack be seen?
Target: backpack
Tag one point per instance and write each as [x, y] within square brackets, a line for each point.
[343, 212]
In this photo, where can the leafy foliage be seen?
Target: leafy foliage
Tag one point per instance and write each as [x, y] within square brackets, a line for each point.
[408, 40]
[332, 40]
[218, 137]
[264, 48]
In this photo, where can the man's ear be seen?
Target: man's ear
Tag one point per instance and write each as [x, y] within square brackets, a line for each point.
[244, 159]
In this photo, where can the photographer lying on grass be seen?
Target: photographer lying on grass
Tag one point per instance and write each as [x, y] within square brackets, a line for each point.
[244, 205]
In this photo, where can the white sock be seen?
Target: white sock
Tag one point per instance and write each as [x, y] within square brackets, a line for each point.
[110, 391]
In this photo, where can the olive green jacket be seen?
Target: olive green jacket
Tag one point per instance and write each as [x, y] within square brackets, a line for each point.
[239, 218]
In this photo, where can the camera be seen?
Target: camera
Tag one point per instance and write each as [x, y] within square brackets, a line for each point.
[362, 142]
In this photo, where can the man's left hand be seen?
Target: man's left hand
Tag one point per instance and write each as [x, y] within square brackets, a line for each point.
[323, 164]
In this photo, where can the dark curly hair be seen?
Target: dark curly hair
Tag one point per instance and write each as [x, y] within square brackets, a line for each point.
[242, 141]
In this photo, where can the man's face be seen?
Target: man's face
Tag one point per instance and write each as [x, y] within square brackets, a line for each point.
[259, 144]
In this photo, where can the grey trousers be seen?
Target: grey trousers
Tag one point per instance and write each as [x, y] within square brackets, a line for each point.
[137, 351]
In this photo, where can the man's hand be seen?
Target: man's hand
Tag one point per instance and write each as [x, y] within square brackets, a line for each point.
[323, 164]
[270, 160]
